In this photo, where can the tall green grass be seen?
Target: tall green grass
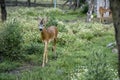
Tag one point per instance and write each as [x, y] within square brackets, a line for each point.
[81, 47]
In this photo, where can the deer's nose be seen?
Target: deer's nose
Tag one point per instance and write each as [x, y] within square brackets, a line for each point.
[40, 29]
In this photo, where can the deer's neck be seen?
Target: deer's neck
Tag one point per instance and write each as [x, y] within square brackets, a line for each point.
[44, 34]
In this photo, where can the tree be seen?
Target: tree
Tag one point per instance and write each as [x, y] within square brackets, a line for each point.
[54, 3]
[90, 10]
[3, 10]
[70, 3]
[16, 2]
[29, 2]
[74, 3]
[115, 7]
[34, 1]
[51, 1]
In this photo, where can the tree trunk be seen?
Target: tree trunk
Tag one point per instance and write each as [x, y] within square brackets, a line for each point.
[34, 1]
[75, 5]
[29, 2]
[105, 4]
[78, 3]
[51, 1]
[114, 5]
[16, 2]
[90, 10]
[65, 2]
[3, 10]
[54, 3]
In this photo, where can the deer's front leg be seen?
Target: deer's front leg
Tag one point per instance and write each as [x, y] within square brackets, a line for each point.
[100, 18]
[44, 54]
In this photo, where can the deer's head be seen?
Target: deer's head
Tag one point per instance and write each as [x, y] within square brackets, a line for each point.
[42, 23]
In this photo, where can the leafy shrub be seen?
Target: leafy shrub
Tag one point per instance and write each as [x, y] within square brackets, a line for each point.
[52, 12]
[51, 21]
[8, 65]
[84, 9]
[61, 27]
[5, 76]
[62, 40]
[32, 42]
[10, 40]
[87, 36]
[98, 68]
[33, 48]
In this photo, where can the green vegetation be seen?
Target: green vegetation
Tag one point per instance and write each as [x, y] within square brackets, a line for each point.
[81, 47]
[11, 40]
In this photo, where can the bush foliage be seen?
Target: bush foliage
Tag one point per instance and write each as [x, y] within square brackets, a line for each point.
[11, 39]
[78, 45]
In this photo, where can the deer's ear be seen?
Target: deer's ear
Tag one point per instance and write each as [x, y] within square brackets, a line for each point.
[39, 19]
[42, 19]
[46, 19]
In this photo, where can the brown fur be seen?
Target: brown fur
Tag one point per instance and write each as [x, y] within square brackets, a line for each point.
[47, 35]
[102, 11]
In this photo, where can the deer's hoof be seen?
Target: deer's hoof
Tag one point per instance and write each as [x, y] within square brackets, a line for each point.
[43, 65]
[46, 61]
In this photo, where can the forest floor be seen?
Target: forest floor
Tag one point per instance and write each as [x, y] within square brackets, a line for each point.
[81, 47]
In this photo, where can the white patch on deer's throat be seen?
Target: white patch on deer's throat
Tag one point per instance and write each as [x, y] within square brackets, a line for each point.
[40, 26]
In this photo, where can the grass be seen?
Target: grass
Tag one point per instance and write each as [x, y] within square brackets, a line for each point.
[7, 65]
[78, 43]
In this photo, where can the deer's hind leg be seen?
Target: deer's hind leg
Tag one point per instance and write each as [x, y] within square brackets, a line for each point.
[54, 47]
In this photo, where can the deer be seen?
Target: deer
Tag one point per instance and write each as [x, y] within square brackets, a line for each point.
[47, 35]
[102, 11]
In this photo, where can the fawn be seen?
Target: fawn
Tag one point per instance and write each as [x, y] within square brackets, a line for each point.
[47, 35]
[102, 11]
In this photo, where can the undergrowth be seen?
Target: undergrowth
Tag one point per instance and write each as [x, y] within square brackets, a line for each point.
[78, 46]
